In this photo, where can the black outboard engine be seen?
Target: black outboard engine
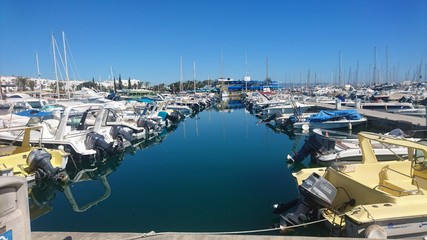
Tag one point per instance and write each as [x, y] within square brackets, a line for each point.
[147, 123]
[290, 122]
[316, 192]
[174, 116]
[97, 142]
[314, 144]
[121, 132]
[39, 161]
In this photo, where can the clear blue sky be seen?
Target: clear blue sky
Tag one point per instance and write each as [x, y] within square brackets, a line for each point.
[144, 39]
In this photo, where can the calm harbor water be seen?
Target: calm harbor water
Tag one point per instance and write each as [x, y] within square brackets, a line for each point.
[217, 171]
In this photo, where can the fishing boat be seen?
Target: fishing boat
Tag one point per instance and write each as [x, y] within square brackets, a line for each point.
[328, 120]
[33, 163]
[373, 199]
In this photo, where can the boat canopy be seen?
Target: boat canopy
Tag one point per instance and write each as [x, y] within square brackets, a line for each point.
[325, 115]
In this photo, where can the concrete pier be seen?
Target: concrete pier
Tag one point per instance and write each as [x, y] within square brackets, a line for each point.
[135, 236]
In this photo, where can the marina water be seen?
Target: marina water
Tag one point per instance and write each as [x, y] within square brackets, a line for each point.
[217, 171]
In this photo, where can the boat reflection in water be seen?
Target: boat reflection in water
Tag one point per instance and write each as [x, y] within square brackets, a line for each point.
[44, 191]
[81, 172]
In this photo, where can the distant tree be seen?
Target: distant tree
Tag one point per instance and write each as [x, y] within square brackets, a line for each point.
[114, 85]
[54, 84]
[21, 83]
[87, 85]
[129, 84]
[146, 84]
[174, 86]
[161, 87]
[120, 82]
[31, 84]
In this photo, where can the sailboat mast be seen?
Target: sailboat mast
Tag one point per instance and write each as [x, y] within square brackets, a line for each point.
[66, 65]
[375, 66]
[339, 73]
[112, 76]
[386, 66]
[222, 64]
[181, 77]
[356, 78]
[266, 69]
[194, 76]
[246, 64]
[38, 75]
[246, 72]
[54, 64]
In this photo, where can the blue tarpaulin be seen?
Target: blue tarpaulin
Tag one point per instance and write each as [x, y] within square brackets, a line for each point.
[34, 113]
[146, 100]
[334, 115]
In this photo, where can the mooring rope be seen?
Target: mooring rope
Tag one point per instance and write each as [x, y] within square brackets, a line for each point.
[152, 233]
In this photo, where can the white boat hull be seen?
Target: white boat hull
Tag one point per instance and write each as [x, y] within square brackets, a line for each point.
[330, 124]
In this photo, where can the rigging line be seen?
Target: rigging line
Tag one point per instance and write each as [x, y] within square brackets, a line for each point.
[72, 59]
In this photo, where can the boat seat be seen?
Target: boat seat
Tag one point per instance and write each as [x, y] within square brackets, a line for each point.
[399, 186]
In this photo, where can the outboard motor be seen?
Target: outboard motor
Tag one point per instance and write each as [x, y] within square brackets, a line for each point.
[121, 132]
[39, 161]
[313, 145]
[290, 122]
[97, 142]
[173, 116]
[316, 192]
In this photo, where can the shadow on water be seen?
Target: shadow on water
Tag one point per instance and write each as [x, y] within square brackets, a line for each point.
[43, 192]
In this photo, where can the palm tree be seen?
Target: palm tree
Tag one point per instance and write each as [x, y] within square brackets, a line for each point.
[32, 85]
[21, 83]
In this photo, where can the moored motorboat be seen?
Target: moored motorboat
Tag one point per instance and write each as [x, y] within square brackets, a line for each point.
[31, 162]
[79, 131]
[328, 146]
[329, 120]
[380, 199]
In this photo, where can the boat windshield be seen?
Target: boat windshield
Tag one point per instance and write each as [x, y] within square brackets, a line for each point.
[420, 159]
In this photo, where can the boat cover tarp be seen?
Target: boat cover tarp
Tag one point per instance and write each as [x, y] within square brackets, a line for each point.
[146, 100]
[325, 115]
[34, 113]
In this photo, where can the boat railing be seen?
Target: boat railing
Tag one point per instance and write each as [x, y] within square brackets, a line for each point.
[400, 187]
